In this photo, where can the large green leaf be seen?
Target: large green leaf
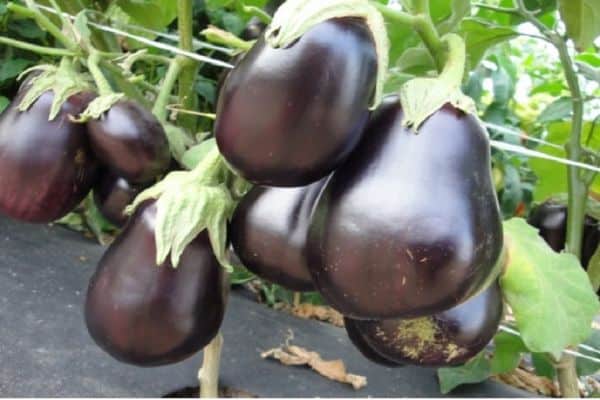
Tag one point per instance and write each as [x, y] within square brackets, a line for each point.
[152, 14]
[476, 370]
[545, 288]
[507, 352]
[552, 176]
[582, 18]
[480, 35]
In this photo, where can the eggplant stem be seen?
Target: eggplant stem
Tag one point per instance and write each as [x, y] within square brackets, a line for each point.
[208, 376]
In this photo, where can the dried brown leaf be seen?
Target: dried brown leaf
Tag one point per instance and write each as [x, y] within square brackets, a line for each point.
[334, 370]
[316, 312]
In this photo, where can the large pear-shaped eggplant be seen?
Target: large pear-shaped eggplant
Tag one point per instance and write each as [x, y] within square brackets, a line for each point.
[449, 338]
[409, 225]
[357, 339]
[268, 233]
[289, 116]
[150, 315]
[46, 167]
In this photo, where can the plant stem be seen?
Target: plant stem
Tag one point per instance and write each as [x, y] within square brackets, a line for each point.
[160, 106]
[31, 11]
[208, 376]
[259, 13]
[454, 69]
[187, 90]
[50, 51]
[505, 10]
[94, 68]
[422, 23]
[577, 188]
[578, 191]
[566, 373]
[123, 84]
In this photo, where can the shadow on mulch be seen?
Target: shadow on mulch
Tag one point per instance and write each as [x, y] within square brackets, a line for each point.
[194, 392]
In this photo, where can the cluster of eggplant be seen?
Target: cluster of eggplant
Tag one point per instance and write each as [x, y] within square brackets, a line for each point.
[47, 167]
[135, 311]
[398, 230]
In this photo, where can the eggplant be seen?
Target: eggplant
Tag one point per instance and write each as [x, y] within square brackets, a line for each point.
[550, 218]
[150, 315]
[446, 339]
[289, 116]
[130, 141]
[268, 233]
[365, 348]
[112, 194]
[46, 167]
[409, 225]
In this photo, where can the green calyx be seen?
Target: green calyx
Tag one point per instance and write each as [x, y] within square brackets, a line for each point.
[296, 17]
[99, 106]
[64, 81]
[421, 97]
[189, 202]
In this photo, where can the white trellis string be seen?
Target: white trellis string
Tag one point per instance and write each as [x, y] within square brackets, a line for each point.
[172, 37]
[567, 351]
[536, 154]
[513, 132]
[158, 45]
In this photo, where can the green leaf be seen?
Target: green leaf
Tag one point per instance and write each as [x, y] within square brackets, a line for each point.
[508, 349]
[81, 25]
[582, 19]
[476, 370]
[558, 110]
[480, 35]
[4, 102]
[552, 176]
[458, 10]
[543, 365]
[593, 269]
[152, 14]
[591, 59]
[416, 61]
[541, 285]
[586, 367]
[12, 68]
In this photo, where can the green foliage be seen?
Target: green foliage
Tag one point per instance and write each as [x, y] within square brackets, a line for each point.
[586, 367]
[476, 370]
[541, 285]
[551, 175]
[152, 14]
[582, 18]
[508, 351]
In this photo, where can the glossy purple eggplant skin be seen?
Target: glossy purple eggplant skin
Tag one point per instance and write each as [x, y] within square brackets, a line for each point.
[409, 225]
[131, 142]
[550, 218]
[46, 167]
[268, 233]
[365, 349]
[290, 116]
[112, 194]
[150, 315]
[446, 339]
